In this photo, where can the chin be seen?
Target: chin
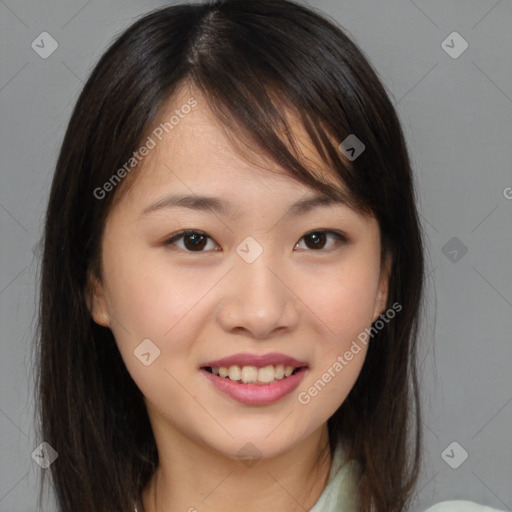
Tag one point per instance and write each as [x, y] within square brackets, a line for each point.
[264, 443]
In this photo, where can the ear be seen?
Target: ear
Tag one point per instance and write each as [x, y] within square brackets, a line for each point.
[96, 302]
[382, 294]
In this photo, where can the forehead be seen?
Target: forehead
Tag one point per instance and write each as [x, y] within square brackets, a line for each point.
[193, 148]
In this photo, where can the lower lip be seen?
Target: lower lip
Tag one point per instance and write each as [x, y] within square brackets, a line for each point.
[256, 394]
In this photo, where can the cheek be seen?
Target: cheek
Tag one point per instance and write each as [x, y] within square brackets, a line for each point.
[147, 302]
[345, 300]
[154, 315]
[345, 306]
[345, 303]
[149, 297]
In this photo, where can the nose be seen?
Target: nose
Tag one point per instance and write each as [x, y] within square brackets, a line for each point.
[258, 300]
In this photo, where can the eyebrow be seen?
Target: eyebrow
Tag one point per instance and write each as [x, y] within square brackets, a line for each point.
[223, 207]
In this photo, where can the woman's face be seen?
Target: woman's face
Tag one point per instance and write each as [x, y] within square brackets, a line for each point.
[253, 285]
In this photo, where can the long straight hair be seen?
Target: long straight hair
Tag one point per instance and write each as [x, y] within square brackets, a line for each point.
[250, 60]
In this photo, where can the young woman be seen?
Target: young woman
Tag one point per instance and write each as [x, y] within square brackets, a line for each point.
[232, 274]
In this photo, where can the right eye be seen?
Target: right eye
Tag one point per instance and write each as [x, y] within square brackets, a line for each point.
[194, 241]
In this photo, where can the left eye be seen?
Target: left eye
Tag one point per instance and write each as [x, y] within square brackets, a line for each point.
[318, 238]
[197, 239]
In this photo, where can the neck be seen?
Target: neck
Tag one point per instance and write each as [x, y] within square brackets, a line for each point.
[193, 478]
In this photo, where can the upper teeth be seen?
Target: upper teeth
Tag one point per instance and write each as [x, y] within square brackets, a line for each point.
[251, 374]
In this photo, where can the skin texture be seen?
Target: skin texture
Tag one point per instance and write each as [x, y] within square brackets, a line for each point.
[198, 306]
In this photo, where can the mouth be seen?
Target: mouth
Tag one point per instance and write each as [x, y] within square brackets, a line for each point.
[255, 379]
[255, 386]
[254, 375]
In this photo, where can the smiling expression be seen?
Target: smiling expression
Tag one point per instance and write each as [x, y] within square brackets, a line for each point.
[265, 266]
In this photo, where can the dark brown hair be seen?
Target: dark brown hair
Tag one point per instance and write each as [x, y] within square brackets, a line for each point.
[250, 60]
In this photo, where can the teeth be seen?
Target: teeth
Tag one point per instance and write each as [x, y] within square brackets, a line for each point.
[279, 371]
[288, 371]
[251, 374]
[266, 374]
[235, 372]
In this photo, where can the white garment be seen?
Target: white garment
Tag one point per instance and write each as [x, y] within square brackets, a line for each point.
[340, 493]
[460, 506]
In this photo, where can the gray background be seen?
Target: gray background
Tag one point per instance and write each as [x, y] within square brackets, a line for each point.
[457, 116]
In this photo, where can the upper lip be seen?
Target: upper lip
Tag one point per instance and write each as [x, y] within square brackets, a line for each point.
[255, 360]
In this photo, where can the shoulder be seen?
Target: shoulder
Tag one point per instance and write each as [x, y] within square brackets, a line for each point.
[460, 506]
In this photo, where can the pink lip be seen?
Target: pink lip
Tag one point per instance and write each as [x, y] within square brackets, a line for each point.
[256, 394]
[255, 360]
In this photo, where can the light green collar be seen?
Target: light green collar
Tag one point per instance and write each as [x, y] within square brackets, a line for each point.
[340, 493]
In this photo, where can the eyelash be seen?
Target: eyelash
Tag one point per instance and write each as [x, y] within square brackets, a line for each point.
[339, 237]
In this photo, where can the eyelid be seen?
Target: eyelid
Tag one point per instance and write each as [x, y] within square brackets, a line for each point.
[339, 236]
[180, 234]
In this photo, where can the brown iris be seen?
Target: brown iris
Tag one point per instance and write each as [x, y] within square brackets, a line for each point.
[318, 239]
[198, 241]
